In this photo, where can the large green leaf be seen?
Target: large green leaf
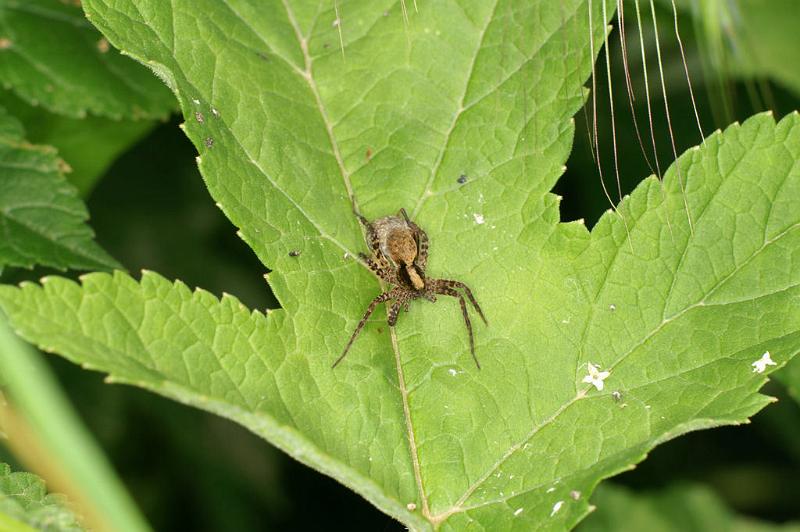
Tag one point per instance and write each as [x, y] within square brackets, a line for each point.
[51, 56]
[24, 499]
[42, 219]
[290, 133]
[687, 508]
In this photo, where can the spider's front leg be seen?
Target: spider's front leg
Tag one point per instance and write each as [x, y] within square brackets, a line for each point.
[380, 268]
[386, 296]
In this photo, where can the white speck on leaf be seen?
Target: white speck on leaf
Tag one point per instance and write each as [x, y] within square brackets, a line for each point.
[517, 512]
[479, 219]
[595, 376]
[411, 506]
[452, 372]
[612, 307]
[551, 490]
[575, 494]
[336, 22]
[760, 365]
[196, 101]
[556, 507]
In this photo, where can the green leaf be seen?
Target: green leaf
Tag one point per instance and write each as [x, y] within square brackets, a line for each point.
[50, 55]
[42, 219]
[88, 145]
[24, 499]
[290, 133]
[687, 508]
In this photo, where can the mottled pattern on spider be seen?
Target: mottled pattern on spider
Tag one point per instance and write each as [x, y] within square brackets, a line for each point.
[399, 257]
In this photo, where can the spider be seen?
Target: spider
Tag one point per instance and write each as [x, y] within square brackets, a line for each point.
[399, 257]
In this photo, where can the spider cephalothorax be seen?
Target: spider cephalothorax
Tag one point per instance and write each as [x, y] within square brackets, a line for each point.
[399, 257]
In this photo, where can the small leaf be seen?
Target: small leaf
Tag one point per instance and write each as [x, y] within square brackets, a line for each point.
[50, 55]
[24, 498]
[42, 220]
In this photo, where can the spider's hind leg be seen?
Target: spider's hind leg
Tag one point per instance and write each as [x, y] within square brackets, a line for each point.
[458, 284]
[441, 287]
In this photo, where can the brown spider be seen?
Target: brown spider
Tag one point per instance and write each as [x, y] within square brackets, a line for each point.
[399, 256]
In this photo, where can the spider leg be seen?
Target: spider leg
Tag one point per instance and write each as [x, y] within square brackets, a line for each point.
[386, 296]
[393, 313]
[458, 284]
[448, 291]
[379, 269]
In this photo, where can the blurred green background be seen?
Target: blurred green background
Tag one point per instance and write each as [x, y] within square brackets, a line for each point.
[190, 470]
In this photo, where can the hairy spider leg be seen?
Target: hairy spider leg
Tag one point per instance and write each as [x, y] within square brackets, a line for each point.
[393, 312]
[446, 290]
[458, 284]
[401, 302]
[384, 273]
[386, 296]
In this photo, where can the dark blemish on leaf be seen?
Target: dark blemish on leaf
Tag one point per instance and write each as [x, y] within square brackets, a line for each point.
[295, 253]
[462, 179]
[379, 329]
[209, 142]
[199, 117]
[369, 154]
[263, 56]
[326, 46]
